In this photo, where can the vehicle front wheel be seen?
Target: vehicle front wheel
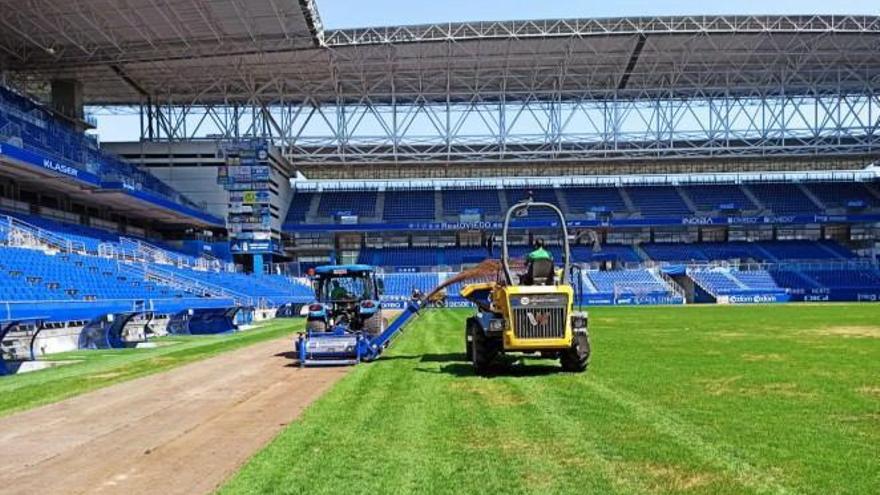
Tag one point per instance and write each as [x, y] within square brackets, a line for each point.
[576, 358]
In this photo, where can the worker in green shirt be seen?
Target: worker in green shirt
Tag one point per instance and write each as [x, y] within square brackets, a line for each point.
[537, 272]
[539, 252]
[338, 292]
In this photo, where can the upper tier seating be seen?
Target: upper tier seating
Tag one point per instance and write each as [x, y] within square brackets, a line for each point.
[38, 130]
[582, 200]
[409, 205]
[456, 201]
[711, 197]
[783, 199]
[360, 203]
[652, 201]
[840, 194]
[299, 207]
[658, 201]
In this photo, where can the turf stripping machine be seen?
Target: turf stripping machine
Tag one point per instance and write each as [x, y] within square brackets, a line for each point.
[345, 325]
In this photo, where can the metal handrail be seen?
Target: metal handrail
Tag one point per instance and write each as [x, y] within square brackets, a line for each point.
[48, 238]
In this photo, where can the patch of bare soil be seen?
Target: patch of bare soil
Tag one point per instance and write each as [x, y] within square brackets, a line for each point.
[184, 431]
[870, 332]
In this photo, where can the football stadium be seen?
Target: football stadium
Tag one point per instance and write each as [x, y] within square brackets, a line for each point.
[242, 251]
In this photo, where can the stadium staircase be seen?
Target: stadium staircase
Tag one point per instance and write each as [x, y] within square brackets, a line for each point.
[687, 199]
[502, 199]
[627, 200]
[438, 205]
[312, 212]
[175, 280]
[561, 200]
[641, 252]
[753, 198]
[873, 190]
[380, 206]
[809, 194]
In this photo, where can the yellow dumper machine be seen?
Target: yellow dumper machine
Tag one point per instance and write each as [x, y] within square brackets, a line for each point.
[531, 312]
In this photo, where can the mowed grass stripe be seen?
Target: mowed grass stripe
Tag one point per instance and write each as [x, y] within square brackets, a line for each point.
[101, 368]
[762, 399]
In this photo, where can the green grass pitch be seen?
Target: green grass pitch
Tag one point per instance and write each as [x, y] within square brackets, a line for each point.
[748, 399]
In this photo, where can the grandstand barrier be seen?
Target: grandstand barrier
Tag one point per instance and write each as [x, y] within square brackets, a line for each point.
[836, 295]
[209, 321]
[611, 222]
[67, 311]
[752, 298]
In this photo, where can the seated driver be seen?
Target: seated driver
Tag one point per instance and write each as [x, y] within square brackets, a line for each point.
[338, 292]
[538, 254]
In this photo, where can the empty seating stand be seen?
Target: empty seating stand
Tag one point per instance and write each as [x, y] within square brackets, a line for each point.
[582, 200]
[409, 205]
[458, 201]
[658, 201]
[299, 207]
[360, 203]
[713, 197]
[783, 199]
[843, 195]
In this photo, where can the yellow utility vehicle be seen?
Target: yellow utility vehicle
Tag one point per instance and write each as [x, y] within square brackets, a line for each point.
[531, 312]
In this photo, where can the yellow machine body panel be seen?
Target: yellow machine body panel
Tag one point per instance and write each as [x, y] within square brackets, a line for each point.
[536, 318]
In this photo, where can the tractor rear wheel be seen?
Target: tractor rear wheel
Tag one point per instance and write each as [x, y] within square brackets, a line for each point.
[483, 350]
[316, 326]
[375, 325]
[577, 357]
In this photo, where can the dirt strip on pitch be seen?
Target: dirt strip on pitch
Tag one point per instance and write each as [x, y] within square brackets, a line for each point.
[183, 431]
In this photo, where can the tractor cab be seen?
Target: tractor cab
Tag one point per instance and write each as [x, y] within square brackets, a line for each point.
[347, 297]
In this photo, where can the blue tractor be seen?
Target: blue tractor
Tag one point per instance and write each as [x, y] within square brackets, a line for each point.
[345, 325]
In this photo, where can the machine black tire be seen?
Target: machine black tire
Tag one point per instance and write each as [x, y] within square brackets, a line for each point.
[375, 324]
[468, 338]
[483, 350]
[577, 357]
[316, 325]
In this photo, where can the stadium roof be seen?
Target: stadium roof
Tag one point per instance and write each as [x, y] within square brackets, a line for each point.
[275, 51]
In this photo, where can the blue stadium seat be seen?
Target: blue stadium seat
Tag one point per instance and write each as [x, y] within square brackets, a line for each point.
[783, 199]
[409, 205]
[456, 201]
[658, 201]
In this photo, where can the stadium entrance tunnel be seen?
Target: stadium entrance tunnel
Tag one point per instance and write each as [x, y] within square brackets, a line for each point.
[116, 330]
[210, 321]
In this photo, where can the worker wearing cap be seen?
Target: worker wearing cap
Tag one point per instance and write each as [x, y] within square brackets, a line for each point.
[539, 252]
